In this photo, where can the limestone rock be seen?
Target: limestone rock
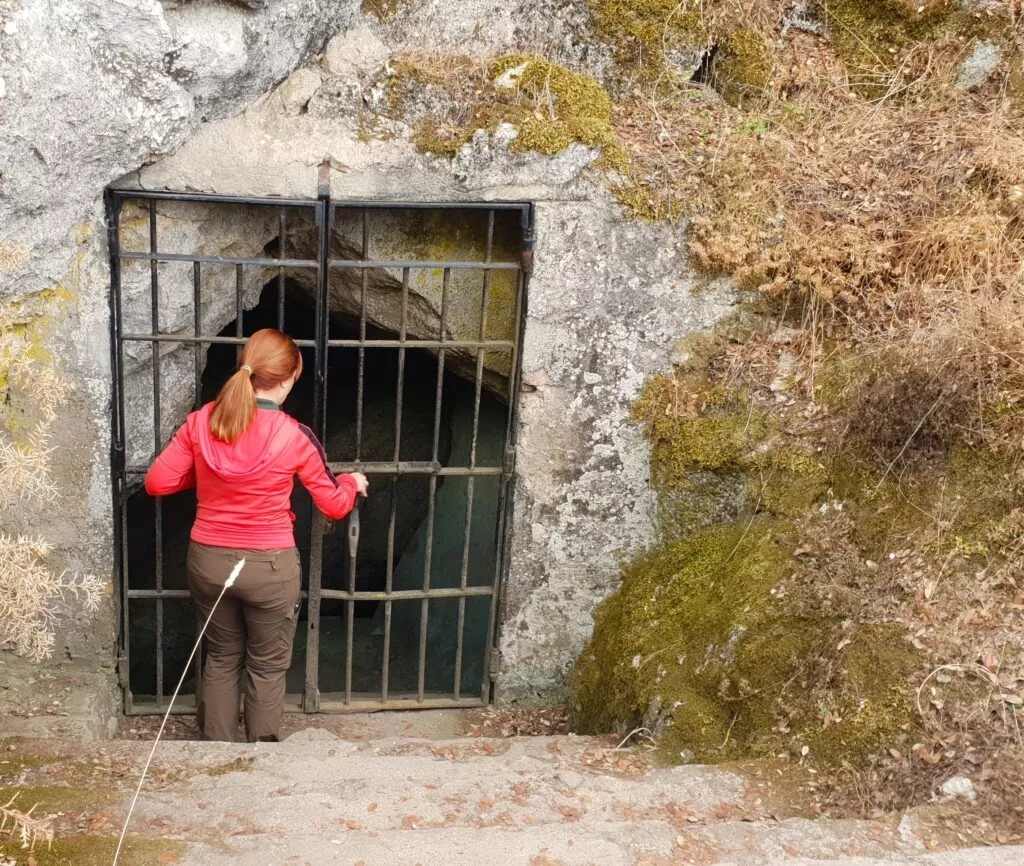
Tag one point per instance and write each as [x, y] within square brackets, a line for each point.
[355, 52]
[297, 90]
[959, 787]
[976, 69]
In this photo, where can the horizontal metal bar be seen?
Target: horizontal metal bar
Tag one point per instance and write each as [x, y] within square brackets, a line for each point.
[428, 205]
[158, 593]
[406, 594]
[383, 469]
[415, 469]
[413, 343]
[174, 338]
[215, 198]
[364, 705]
[330, 702]
[345, 264]
[220, 260]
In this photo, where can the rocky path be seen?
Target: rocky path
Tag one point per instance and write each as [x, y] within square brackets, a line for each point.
[530, 801]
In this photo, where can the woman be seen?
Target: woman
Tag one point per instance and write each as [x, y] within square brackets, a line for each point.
[241, 453]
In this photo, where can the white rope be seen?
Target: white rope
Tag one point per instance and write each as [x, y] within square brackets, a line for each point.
[229, 582]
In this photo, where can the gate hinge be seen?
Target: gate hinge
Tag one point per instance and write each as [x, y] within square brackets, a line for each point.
[494, 665]
[510, 459]
[526, 262]
[122, 670]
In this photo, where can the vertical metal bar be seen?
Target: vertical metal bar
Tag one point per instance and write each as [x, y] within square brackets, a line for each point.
[390, 572]
[428, 555]
[324, 323]
[325, 221]
[508, 465]
[197, 305]
[508, 476]
[158, 565]
[425, 603]
[117, 441]
[280, 270]
[442, 336]
[350, 606]
[350, 624]
[239, 329]
[311, 692]
[365, 254]
[386, 660]
[467, 536]
[403, 326]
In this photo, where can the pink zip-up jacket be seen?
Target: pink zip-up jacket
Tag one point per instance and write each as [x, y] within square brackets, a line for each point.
[243, 489]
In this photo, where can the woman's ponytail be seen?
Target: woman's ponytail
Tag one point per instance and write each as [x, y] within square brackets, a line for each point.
[268, 359]
[235, 407]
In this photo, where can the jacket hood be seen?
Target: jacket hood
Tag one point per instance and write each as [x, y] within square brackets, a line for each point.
[253, 453]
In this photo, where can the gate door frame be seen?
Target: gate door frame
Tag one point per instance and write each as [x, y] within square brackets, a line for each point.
[325, 212]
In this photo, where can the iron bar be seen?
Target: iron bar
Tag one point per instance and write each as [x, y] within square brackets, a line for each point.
[389, 575]
[406, 594]
[186, 704]
[280, 271]
[361, 342]
[158, 565]
[369, 344]
[311, 692]
[184, 339]
[326, 214]
[424, 344]
[209, 198]
[390, 566]
[350, 623]
[421, 664]
[197, 310]
[117, 444]
[432, 496]
[433, 205]
[398, 264]
[407, 468]
[503, 490]
[220, 260]
[239, 329]
[470, 486]
[344, 595]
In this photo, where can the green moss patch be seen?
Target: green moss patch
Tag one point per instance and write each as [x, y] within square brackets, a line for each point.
[550, 105]
[742, 70]
[99, 851]
[60, 798]
[641, 30]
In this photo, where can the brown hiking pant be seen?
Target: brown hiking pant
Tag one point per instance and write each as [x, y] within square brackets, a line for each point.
[251, 629]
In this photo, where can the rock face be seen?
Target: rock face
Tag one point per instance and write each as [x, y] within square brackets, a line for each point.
[190, 98]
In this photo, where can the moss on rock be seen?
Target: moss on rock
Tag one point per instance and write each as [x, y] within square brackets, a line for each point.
[872, 35]
[641, 30]
[99, 851]
[742, 71]
[551, 107]
[671, 634]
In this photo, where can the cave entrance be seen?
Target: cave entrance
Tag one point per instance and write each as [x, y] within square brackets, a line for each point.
[409, 319]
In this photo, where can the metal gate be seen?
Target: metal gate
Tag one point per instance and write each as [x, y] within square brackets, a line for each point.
[428, 603]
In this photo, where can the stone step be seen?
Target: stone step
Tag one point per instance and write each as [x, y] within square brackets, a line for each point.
[532, 801]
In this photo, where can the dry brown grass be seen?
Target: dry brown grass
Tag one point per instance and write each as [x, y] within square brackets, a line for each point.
[880, 211]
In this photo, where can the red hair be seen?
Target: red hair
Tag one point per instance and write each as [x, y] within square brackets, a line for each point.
[268, 359]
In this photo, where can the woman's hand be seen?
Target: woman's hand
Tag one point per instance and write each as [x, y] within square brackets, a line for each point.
[362, 485]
